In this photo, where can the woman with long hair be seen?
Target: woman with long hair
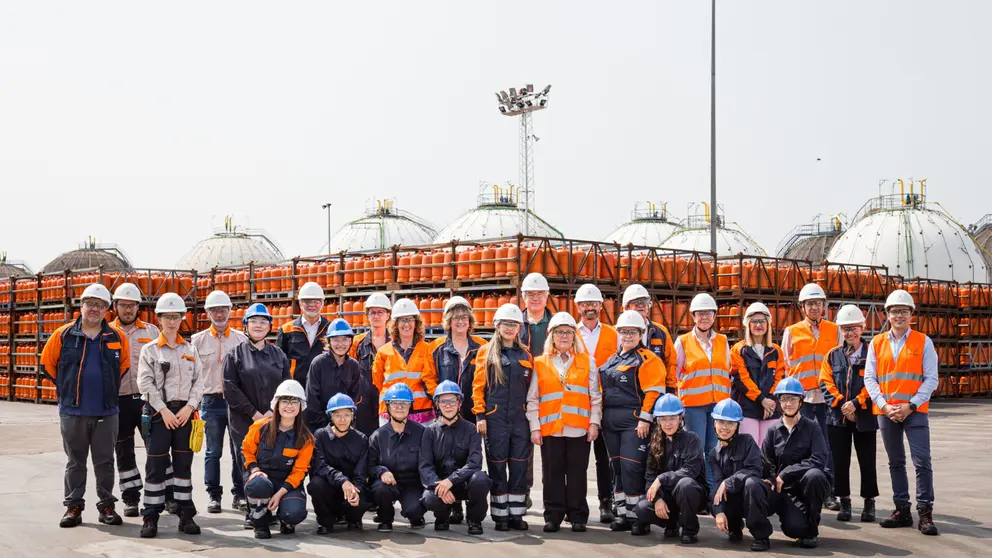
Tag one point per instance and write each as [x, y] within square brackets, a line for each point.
[454, 352]
[277, 452]
[502, 378]
[756, 366]
[406, 360]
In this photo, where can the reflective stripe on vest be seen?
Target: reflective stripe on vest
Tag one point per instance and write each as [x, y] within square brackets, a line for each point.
[900, 379]
[703, 382]
[563, 402]
[807, 352]
[398, 372]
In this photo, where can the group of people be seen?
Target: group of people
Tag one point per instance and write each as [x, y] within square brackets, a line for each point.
[678, 427]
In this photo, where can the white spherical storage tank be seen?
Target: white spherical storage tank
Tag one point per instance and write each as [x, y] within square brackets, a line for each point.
[229, 247]
[382, 227]
[650, 225]
[496, 215]
[912, 238]
[695, 235]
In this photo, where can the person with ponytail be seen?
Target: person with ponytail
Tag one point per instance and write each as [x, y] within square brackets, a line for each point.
[394, 460]
[340, 467]
[499, 394]
[741, 497]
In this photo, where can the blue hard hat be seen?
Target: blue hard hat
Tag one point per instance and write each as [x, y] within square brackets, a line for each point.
[728, 410]
[339, 328]
[447, 387]
[257, 309]
[398, 392]
[340, 401]
[668, 405]
[789, 386]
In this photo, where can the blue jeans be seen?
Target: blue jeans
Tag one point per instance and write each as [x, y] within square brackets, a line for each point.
[917, 430]
[818, 412]
[699, 420]
[213, 411]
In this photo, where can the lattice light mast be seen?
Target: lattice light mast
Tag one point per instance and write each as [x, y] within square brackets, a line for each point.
[522, 103]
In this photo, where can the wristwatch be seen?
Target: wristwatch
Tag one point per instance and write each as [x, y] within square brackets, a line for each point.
[912, 407]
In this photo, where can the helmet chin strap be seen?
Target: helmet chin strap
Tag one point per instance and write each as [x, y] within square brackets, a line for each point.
[725, 441]
[793, 415]
[338, 430]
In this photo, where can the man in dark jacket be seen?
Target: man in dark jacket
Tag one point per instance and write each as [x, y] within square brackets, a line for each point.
[340, 467]
[794, 456]
[301, 339]
[451, 463]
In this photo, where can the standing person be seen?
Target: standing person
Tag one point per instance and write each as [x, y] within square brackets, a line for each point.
[213, 344]
[451, 463]
[794, 456]
[333, 372]
[564, 409]
[276, 452]
[406, 360]
[849, 418]
[676, 477]
[394, 459]
[533, 334]
[171, 379]
[502, 377]
[741, 497]
[901, 375]
[301, 339]
[338, 476]
[127, 300]
[252, 373]
[600, 340]
[703, 371]
[85, 360]
[656, 337]
[756, 366]
[805, 345]
[631, 380]
[364, 349]
[454, 353]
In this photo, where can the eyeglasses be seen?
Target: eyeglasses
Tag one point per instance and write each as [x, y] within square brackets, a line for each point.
[127, 305]
[406, 320]
[534, 295]
[629, 332]
[850, 329]
[399, 404]
[96, 304]
[294, 402]
[759, 322]
[170, 317]
[447, 401]
[461, 318]
[900, 312]
[640, 303]
[506, 324]
[788, 400]
[377, 313]
[343, 414]
[563, 333]
[704, 313]
[311, 302]
[258, 321]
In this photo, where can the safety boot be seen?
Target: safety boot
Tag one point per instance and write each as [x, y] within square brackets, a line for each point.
[149, 526]
[926, 525]
[845, 510]
[868, 512]
[108, 516]
[73, 516]
[902, 516]
[186, 524]
[606, 510]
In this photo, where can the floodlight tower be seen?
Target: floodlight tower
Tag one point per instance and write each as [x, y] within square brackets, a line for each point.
[522, 103]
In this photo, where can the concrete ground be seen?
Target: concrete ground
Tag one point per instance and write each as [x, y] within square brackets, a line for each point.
[32, 463]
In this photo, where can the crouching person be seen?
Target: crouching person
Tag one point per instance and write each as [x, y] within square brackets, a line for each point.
[394, 458]
[340, 466]
[451, 463]
[676, 476]
[277, 452]
[794, 455]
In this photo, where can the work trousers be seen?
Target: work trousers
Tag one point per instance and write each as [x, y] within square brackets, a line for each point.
[916, 428]
[329, 503]
[818, 412]
[164, 447]
[798, 506]
[841, 438]
[129, 423]
[508, 448]
[699, 420]
[474, 491]
[82, 436]
[686, 500]
[750, 508]
[564, 462]
[292, 507]
[604, 476]
[628, 454]
[385, 495]
[213, 411]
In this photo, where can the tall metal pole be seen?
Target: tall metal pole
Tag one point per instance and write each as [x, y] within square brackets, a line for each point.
[526, 164]
[327, 206]
[714, 213]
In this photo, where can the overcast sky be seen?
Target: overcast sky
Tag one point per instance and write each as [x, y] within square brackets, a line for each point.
[144, 123]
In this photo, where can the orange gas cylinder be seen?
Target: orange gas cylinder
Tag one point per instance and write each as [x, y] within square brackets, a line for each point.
[437, 311]
[474, 268]
[488, 265]
[359, 309]
[403, 271]
[440, 271]
[513, 260]
[478, 308]
[562, 266]
[416, 261]
[499, 267]
[491, 303]
[346, 310]
[368, 277]
[426, 271]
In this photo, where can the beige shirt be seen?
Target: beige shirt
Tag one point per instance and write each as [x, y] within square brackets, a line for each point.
[595, 398]
[212, 346]
[183, 381]
[138, 335]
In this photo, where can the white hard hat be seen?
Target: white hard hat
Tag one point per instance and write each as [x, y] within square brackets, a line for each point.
[900, 297]
[216, 299]
[508, 312]
[456, 301]
[702, 301]
[310, 291]
[631, 318]
[170, 303]
[850, 314]
[562, 319]
[534, 282]
[128, 291]
[811, 291]
[378, 300]
[405, 307]
[634, 292]
[290, 388]
[756, 308]
[96, 290]
[588, 293]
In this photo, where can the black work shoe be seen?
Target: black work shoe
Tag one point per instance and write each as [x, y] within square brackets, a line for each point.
[286, 529]
[172, 507]
[926, 525]
[474, 528]
[457, 515]
[760, 545]
[108, 516]
[239, 504]
[355, 526]
[831, 503]
[248, 525]
[262, 531]
[73, 516]
[186, 524]
[528, 503]
[385, 527]
[620, 524]
[149, 527]
[808, 542]
[868, 513]
[606, 510]
[845, 510]
[550, 527]
[130, 509]
[900, 517]
[340, 520]
[419, 523]
[441, 525]
[325, 529]
[376, 518]
[640, 529]
[690, 539]
[518, 524]
[502, 525]
[736, 536]
[671, 532]
[578, 527]
[213, 505]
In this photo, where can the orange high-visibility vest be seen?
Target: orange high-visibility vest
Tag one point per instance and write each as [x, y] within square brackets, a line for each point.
[703, 382]
[899, 379]
[606, 345]
[563, 402]
[389, 368]
[807, 352]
